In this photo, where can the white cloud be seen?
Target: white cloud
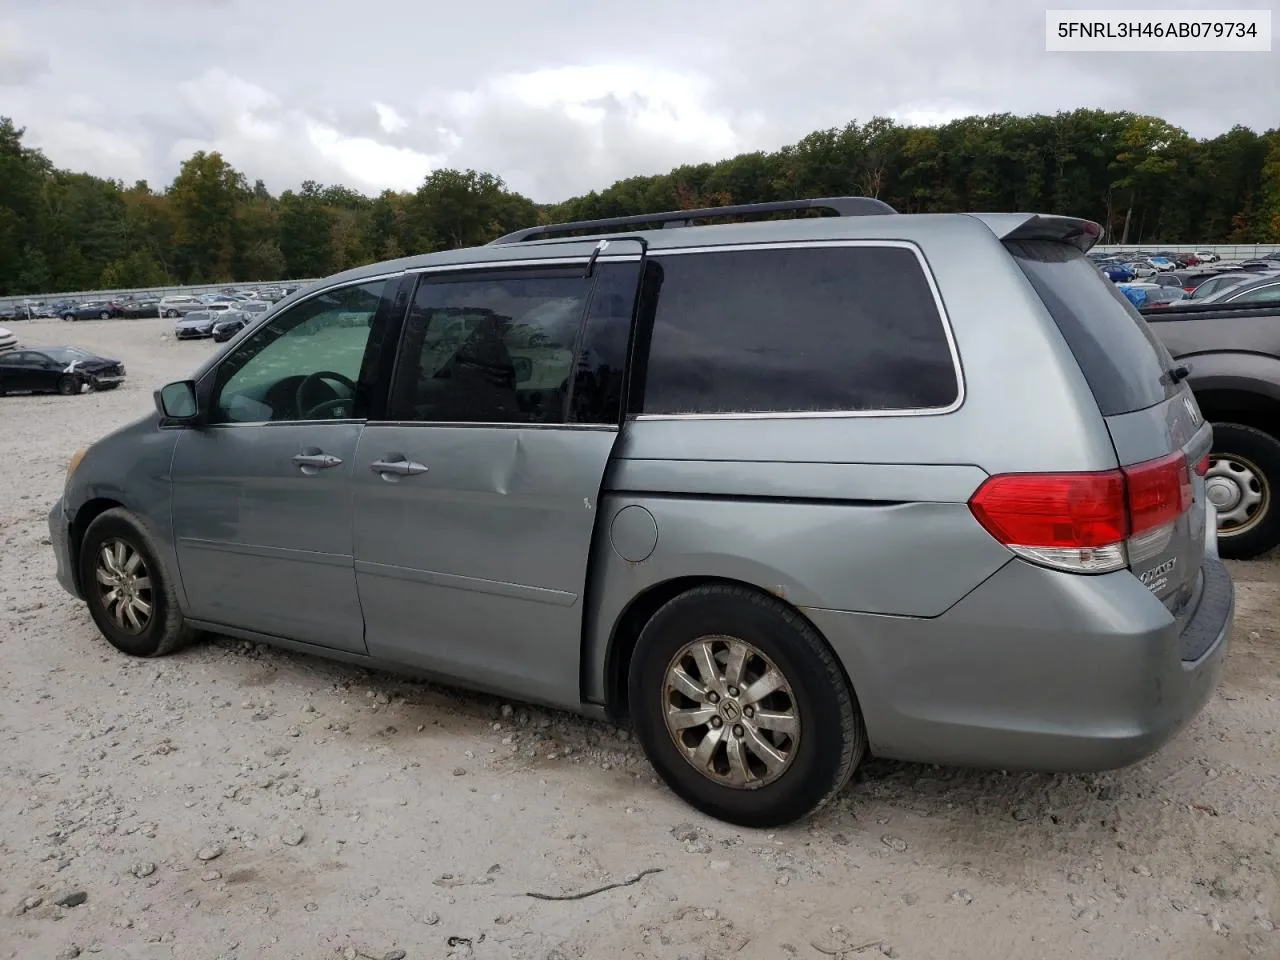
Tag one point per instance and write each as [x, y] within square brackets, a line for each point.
[554, 100]
[389, 118]
[20, 59]
[376, 164]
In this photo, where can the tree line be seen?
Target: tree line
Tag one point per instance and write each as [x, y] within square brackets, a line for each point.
[1146, 181]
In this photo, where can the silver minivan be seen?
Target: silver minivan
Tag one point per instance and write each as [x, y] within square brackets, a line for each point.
[781, 493]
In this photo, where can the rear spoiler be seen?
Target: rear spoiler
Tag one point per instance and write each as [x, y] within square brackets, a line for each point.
[1082, 234]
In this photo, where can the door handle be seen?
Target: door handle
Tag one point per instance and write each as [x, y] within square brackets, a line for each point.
[318, 460]
[399, 468]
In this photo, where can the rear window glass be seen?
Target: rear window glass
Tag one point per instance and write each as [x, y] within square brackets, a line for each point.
[796, 330]
[1123, 362]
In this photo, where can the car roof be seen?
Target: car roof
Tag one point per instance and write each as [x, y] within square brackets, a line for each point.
[960, 227]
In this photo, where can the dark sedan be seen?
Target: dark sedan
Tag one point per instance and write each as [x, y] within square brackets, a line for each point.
[234, 321]
[199, 323]
[96, 310]
[143, 307]
[65, 370]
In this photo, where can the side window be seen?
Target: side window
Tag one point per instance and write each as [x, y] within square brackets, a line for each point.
[493, 349]
[847, 328]
[1267, 294]
[303, 364]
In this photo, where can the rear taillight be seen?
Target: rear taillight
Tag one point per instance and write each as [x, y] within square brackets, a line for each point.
[1203, 466]
[1086, 522]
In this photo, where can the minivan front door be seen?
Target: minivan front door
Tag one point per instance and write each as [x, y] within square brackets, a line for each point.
[475, 504]
[262, 492]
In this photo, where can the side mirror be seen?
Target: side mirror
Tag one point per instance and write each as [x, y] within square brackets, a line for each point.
[176, 402]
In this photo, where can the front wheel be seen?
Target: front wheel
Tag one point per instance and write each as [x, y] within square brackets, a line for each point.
[68, 385]
[69, 317]
[171, 314]
[1244, 470]
[742, 708]
[129, 594]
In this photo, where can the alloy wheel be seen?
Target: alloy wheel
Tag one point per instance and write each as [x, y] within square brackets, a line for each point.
[124, 585]
[731, 712]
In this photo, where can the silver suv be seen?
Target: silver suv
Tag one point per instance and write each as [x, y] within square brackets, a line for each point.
[782, 493]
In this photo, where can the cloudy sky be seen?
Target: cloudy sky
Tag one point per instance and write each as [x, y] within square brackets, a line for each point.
[557, 97]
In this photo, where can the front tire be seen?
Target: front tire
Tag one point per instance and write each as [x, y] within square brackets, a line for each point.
[1243, 482]
[130, 596]
[742, 708]
[68, 385]
[171, 314]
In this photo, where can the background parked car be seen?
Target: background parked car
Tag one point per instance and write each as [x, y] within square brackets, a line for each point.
[234, 321]
[1221, 282]
[1117, 272]
[64, 370]
[199, 323]
[93, 310]
[178, 306]
[142, 307]
[1260, 288]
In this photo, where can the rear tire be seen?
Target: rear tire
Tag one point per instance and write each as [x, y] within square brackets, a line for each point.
[756, 772]
[104, 315]
[119, 572]
[1244, 467]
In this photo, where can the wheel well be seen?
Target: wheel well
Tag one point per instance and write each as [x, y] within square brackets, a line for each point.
[88, 512]
[640, 611]
[1241, 406]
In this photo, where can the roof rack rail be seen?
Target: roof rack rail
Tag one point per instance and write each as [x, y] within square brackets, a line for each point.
[840, 206]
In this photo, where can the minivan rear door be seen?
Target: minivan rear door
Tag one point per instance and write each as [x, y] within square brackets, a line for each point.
[1150, 411]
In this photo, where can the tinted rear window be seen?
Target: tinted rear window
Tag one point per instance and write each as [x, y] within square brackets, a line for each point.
[795, 330]
[1123, 362]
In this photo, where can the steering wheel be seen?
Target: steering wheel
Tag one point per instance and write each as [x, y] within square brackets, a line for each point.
[308, 413]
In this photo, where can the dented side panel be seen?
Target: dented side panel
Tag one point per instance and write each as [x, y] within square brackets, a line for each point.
[476, 569]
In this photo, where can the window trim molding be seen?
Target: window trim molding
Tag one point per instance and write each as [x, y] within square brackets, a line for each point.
[930, 280]
[260, 322]
[516, 263]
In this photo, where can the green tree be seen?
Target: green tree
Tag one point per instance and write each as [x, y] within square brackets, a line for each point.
[456, 208]
[306, 232]
[203, 198]
[138, 269]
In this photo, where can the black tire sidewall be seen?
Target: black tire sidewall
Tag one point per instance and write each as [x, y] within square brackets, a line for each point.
[817, 769]
[70, 383]
[1263, 451]
[115, 526]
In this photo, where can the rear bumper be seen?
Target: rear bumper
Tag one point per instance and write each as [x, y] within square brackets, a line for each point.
[1036, 670]
[60, 540]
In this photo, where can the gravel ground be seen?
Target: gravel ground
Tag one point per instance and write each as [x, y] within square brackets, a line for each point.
[239, 802]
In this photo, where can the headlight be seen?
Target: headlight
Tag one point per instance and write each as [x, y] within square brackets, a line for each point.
[75, 461]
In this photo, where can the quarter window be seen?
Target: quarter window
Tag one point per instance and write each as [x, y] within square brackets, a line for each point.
[303, 363]
[496, 349]
[846, 328]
